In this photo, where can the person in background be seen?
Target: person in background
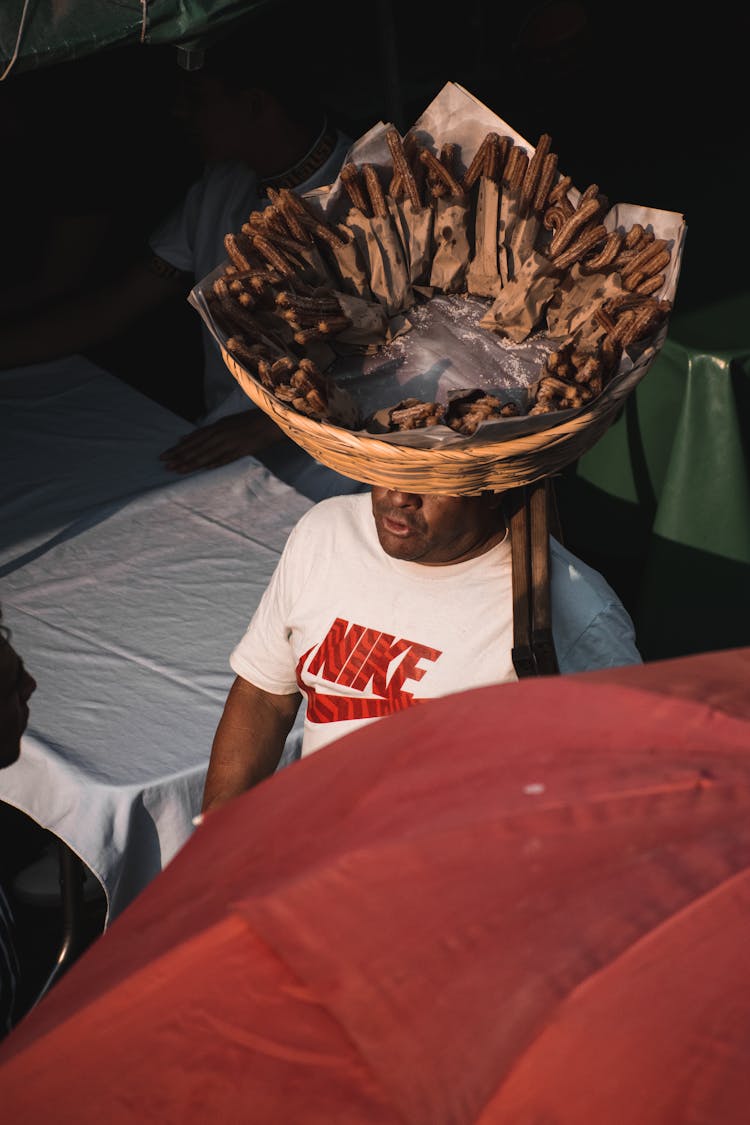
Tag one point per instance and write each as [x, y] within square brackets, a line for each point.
[251, 108]
[17, 685]
[92, 171]
[258, 124]
[380, 602]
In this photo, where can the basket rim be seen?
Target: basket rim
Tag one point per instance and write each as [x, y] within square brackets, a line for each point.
[460, 469]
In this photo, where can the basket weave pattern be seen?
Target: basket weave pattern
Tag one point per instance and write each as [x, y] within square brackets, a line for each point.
[574, 400]
[464, 470]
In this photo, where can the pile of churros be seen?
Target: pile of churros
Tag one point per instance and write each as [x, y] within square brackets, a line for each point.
[497, 224]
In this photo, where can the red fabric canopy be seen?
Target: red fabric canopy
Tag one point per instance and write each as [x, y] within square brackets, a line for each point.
[525, 903]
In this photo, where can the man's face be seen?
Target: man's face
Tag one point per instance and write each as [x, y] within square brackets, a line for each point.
[222, 123]
[16, 688]
[435, 530]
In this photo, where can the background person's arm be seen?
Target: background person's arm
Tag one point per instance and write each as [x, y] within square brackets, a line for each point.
[77, 323]
[236, 435]
[70, 253]
[249, 741]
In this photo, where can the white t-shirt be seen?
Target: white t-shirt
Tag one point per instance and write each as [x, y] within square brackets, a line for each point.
[363, 635]
[191, 238]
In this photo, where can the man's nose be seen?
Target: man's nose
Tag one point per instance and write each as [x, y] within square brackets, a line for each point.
[28, 686]
[404, 499]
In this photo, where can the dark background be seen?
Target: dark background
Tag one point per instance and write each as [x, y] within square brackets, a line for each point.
[647, 101]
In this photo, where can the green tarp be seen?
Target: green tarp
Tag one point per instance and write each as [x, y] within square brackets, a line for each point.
[44, 32]
[661, 504]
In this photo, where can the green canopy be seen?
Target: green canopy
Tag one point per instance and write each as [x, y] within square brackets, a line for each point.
[37, 33]
[661, 504]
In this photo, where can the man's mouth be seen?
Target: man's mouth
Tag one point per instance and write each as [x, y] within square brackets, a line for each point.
[395, 526]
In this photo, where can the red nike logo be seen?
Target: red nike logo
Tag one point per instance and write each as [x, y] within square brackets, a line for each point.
[359, 658]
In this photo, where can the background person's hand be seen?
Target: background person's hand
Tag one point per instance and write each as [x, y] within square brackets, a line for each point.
[217, 444]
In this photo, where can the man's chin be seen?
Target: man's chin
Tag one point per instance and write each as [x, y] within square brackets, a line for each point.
[9, 753]
[398, 546]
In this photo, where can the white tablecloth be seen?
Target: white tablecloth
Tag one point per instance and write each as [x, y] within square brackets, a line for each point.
[72, 436]
[127, 621]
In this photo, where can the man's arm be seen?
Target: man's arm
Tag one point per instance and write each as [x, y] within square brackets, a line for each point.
[78, 323]
[65, 262]
[249, 741]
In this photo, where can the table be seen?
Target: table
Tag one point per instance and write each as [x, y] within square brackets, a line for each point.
[73, 436]
[125, 609]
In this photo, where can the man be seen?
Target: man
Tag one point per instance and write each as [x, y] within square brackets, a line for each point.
[17, 685]
[378, 603]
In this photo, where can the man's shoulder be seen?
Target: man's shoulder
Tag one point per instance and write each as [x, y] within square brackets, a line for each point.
[220, 173]
[331, 529]
[325, 174]
[347, 510]
[592, 627]
[583, 580]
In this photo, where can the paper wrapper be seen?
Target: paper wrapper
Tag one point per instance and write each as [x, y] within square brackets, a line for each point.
[350, 266]
[383, 252]
[483, 275]
[521, 302]
[445, 350]
[576, 298]
[452, 250]
[415, 225]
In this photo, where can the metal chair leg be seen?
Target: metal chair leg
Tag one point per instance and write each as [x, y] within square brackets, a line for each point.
[72, 876]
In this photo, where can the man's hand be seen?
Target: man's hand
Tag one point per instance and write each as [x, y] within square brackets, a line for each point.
[235, 436]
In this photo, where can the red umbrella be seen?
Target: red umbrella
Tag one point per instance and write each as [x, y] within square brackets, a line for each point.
[521, 904]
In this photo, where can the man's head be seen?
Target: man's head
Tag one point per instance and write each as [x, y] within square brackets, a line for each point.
[434, 529]
[255, 98]
[16, 688]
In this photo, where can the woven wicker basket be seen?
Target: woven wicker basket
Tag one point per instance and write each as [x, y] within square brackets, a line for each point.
[531, 448]
[464, 470]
